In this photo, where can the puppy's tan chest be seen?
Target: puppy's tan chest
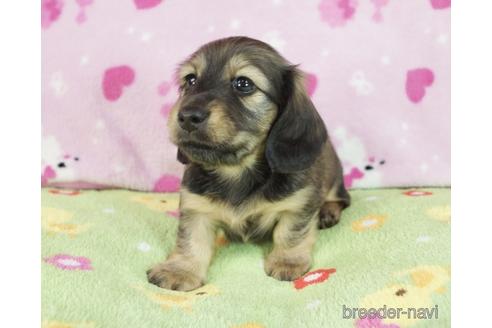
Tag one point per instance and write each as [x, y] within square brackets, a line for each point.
[253, 217]
[245, 220]
[253, 221]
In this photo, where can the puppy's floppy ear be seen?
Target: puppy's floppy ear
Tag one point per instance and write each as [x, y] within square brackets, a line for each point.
[182, 157]
[298, 134]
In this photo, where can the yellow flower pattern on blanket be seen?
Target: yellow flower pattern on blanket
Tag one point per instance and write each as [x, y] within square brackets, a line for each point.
[166, 203]
[426, 280]
[59, 324]
[249, 325]
[368, 222]
[184, 300]
[440, 213]
[57, 221]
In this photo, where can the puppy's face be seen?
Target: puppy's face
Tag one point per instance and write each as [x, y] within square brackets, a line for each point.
[232, 92]
[227, 101]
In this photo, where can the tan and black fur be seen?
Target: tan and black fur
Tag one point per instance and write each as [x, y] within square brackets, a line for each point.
[259, 164]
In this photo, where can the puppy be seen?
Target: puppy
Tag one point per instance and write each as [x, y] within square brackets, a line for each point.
[259, 164]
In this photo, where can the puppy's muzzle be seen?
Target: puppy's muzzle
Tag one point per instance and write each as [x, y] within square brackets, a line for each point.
[192, 118]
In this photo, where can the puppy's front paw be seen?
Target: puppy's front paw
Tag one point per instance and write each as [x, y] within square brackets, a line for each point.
[286, 269]
[170, 275]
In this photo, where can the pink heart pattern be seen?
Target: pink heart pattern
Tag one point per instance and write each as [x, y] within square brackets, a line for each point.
[354, 174]
[167, 183]
[115, 78]
[417, 81]
[163, 88]
[311, 83]
[440, 4]
[146, 4]
[48, 174]
[50, 11]
[337, 12]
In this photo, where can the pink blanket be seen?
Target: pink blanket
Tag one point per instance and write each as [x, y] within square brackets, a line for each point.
[379, 73]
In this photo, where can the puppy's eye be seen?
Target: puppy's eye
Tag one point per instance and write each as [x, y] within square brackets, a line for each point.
[243, 85]
[190, 79]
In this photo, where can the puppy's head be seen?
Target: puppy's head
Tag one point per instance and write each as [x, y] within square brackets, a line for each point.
[239, 97]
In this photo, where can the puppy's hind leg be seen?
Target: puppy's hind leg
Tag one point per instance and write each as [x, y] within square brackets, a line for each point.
[337, 200]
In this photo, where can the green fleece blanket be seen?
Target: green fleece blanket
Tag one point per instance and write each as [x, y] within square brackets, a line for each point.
[390, 251]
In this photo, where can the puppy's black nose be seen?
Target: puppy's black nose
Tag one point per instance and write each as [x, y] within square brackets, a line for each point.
[191, 118]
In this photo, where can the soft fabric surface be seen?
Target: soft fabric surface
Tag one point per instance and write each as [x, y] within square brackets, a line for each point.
[379, 73]
[392, 247]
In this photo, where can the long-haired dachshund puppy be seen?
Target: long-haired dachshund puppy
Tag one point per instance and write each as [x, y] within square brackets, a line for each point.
[259, 163]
